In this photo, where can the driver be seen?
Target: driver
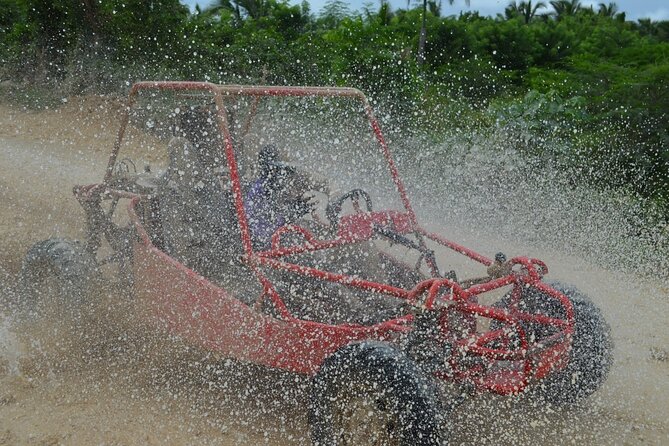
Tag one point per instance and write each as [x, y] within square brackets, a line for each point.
[276, 198]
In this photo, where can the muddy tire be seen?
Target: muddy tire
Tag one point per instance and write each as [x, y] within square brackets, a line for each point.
[55, 272]
[591, 355]
[371, 393]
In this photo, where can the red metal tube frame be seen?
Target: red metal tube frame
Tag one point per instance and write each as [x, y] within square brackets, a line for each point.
[240, 90]
[475, 345]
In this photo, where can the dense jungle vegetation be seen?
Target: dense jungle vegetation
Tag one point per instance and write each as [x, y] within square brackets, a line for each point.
[541, 71]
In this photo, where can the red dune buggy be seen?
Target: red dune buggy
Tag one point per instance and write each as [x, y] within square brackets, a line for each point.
[312, 260]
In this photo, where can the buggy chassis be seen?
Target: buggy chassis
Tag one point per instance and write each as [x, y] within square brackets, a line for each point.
[504, 360]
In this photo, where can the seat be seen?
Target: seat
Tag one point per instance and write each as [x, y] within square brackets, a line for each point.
[199, 222]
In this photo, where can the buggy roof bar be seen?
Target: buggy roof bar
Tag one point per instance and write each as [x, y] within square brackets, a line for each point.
[295, 91]
[251, 90]
[218, 91]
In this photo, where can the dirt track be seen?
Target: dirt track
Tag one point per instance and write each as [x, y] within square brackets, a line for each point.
[120, 388]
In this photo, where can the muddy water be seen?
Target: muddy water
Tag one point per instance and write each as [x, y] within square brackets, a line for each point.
[107, 382]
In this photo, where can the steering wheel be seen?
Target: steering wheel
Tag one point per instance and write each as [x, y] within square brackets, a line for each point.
[333, 209]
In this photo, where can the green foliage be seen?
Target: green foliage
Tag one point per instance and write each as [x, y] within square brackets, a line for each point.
[556, 41]
[565, 8]
[525, 10]
[509, 43]
[585, 76]
[12, 12]
[333, 13]
[58, 24]
[544, 112]
[139, 29]
[450, 41]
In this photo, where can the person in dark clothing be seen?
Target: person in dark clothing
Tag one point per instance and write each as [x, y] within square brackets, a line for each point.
[276, 198]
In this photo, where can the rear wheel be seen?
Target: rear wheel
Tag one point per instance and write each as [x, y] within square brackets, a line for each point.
[56, 274]
[372, 394]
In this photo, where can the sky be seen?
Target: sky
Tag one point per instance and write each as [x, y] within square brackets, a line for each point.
[635, 9]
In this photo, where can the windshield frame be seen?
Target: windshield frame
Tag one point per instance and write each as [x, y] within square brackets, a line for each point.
[219, 94]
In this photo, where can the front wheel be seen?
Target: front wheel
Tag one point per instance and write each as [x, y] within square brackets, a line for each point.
[590, 357]
[372, 394]
[591, 354]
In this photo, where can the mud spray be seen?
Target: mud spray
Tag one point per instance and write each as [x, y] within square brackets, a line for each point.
[109, 384]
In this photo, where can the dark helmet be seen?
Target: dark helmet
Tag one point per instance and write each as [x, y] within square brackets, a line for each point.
[270, 164]
[187, 123]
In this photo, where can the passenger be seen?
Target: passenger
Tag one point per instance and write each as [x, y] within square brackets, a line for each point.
[199, 223]
[276, 198]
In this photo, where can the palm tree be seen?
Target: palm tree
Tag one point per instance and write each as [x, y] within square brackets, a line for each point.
[92, 15]
[382, 15]
[385, 12]
[524, 9]
[334, 11]
[528, 11]
[647, 27]
[332, 14]
[531, 11]
[609, 10]
[512, 10]
[564, 8]
[434, 7]
[241, 8]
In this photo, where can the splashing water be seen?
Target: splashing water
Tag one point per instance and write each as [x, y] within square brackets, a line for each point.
[482, 180]
[10, 348]
[477, 186]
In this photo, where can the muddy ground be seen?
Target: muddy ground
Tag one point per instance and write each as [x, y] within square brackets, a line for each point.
[106, 381]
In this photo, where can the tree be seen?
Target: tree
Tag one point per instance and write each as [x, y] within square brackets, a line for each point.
[58, 23]
[663, 31]
[609, 10]
[434, 7]
[385, 12]
[512, 10]
[333, 12]
[91, 10]
[216, 7]
[138, 29]
[647, 27]
[254, 9]
[423, 32]
[11, 12]
[524, 9]
[530, 11]
[563, 8]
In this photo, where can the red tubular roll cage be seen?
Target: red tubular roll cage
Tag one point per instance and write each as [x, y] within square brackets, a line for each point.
[436, 288]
